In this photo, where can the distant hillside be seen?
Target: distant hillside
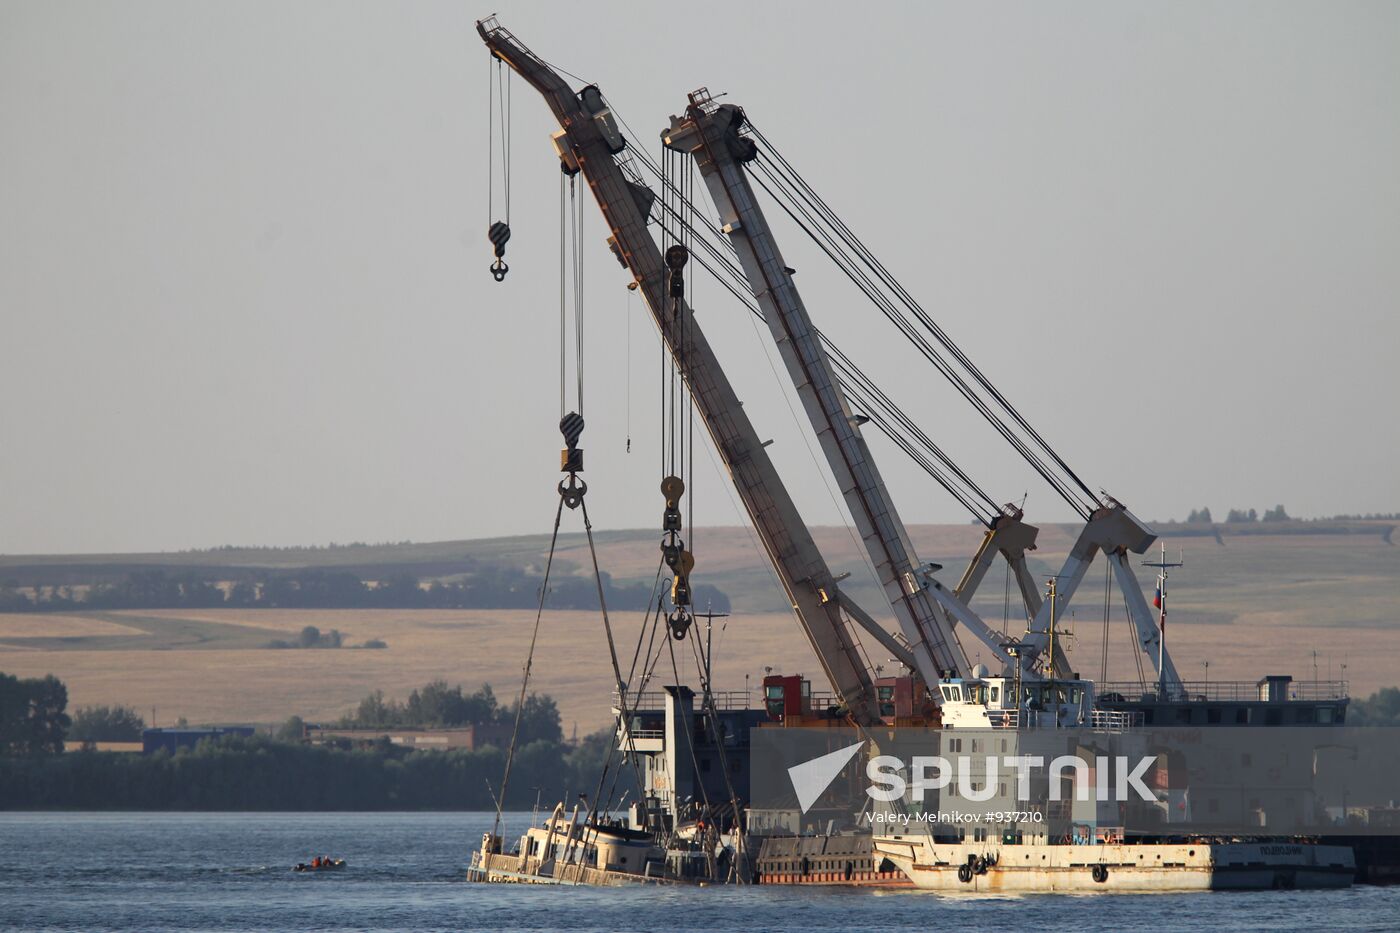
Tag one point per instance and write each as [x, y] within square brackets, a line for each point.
[1305, 599]
[1335, 571]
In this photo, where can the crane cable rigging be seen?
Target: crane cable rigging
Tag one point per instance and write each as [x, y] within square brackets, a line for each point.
[885, 414]
[678, 418]
[805, 201]
[498, 101]
[572, 489]
[881, 409]
[849, 254]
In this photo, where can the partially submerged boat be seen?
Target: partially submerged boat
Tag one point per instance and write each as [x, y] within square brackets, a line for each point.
[565, 850]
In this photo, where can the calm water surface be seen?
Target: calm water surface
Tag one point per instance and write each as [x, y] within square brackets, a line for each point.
[231, 871]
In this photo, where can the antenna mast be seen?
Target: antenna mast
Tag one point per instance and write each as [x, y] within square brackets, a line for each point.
[1160, 602]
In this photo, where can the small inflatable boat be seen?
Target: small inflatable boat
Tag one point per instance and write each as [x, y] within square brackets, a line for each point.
[326, 865]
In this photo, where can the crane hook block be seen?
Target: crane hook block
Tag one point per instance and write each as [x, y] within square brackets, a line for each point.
[676, 258]
[571, 426]
[571, 457]
[499, 234]
[572, 490]
[672, 488]
[679, 623]
[671, 551]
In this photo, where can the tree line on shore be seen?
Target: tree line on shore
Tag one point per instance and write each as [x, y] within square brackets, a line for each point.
[1279, 514]
[500, 587]
[278, 771]
[265, 773]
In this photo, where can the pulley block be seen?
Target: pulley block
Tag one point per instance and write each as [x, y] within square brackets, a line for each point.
[571, 426]
[572, 491]
[672, 488]
[499, 234]
[676, 258]
[671, 550]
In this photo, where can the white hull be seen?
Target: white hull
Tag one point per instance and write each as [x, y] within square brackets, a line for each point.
[1038, 868]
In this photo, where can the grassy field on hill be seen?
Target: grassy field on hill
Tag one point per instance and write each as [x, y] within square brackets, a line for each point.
[1249, 604]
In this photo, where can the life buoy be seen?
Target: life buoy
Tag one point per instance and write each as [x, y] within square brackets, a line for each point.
[1100, 873]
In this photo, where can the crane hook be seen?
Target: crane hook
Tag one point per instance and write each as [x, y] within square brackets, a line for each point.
[679, 623]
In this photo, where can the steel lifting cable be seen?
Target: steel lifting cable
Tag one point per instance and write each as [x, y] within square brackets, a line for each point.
[498, 98]
[887, 307]
[572, 492]
[938, 332]
[731, 265]
[612, 655]
[576, 230]
[848, 375]
[563, 301]
[631, 292]
[840, 361]
[810, 196]
[860, 388]
[702, 664]
[690, 408]
[833, 250]
[647, 617]
[525, 679]
[651, 621]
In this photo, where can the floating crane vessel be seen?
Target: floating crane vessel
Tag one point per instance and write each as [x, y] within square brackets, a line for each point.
[1026, 685]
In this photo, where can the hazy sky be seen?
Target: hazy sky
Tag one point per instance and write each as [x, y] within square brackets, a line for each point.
[243, 263]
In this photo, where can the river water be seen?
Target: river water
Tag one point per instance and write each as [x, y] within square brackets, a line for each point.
[231, 871]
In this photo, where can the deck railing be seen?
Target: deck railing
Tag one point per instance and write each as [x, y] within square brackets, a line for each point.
[1237, 691]
[1100, 720]
[655, 700]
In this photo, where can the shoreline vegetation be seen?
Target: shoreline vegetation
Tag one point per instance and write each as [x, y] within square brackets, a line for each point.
[88, 589]
[280, 771]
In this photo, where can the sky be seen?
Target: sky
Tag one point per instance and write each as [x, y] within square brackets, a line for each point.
[244, 293]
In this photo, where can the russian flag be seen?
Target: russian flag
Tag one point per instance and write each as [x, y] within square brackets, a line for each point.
[1157, 598]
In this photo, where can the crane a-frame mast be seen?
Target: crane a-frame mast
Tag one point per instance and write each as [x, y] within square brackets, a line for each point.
[589, 141]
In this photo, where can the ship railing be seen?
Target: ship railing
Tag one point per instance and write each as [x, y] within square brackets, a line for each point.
[1237, 691]
[643, 733]
[1099, 720]
[654, 700]
[1110, 720]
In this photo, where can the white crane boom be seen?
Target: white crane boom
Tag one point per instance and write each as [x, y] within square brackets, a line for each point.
[589, 142]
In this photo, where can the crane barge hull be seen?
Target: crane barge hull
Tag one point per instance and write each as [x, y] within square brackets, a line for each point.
[1141, 867]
